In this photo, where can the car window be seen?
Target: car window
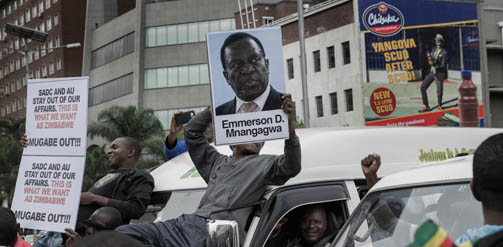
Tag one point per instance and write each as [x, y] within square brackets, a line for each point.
[390, 218]
[292, 228]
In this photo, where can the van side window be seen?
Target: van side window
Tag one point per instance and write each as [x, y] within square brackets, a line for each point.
[313, 224]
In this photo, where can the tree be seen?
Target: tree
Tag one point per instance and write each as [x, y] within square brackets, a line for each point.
[118, 121]
[11, 129]
[96, 165]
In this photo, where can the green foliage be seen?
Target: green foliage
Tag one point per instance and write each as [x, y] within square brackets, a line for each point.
[119, 121]
[11, 129]
[298, 124]
[96, 165]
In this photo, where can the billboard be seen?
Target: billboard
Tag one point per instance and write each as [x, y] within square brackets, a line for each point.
[413, 54]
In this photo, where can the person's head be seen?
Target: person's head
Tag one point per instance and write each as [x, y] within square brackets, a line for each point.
[313, 224]
[108, 239]
[487, 182]
[439, 40]
[240, 150]
[104, 218]
[245, 67]
[123, 152]
[8, 227]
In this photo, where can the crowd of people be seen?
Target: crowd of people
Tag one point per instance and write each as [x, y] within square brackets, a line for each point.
[234, 181]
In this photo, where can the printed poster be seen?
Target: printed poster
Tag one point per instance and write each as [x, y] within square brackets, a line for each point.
[247, 83]
[414, 52]
[49, 181]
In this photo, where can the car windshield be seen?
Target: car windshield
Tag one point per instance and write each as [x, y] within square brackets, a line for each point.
[180, 202]
[390, 218]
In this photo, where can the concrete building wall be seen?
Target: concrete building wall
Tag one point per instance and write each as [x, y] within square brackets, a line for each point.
[328, 80]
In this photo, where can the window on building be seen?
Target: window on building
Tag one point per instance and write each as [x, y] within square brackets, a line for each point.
[40, 7]
[111, 90]
[15, 5]
[18, 63]
[57, 42]
[176, 76]
[31, 74]
[43, 51]
[319, 105]
[19, 103]
[1, 73]
[112, 51]
[24, 81]
[27, 14]
[16, 43]
[21, 19]
[58, 64]
[4, 13]
[3, 110]
[49, 24]
[349, 99]
[14, 106]
[34, 11]
[21, 2]
[36, 54]
[331, 57]
[42, 26]
[289, 64]
[9, 9]
[51, 67]
[11, 46]
[47, 4]
[6, 69]
[8, 108]
[12, 86]
[44, 70]
[11, 68]
[23, 61]
[16, 22]
[37, 73]
[56, 19]
[267, 20]
[49, 46]
[346, 53]
[19, 84]
[185, 32]
[316, 61]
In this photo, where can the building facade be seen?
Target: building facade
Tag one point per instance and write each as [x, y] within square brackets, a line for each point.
[63, 21]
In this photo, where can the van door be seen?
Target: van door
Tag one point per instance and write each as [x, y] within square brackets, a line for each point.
[288, 202]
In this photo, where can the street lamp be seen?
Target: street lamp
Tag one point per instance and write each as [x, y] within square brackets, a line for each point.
[26, 33]
[29, 33]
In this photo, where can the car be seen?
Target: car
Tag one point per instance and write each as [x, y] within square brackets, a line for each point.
[331, 176]
[393, 209]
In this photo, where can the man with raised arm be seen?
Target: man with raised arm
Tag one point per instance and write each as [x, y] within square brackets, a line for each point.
[234, 182]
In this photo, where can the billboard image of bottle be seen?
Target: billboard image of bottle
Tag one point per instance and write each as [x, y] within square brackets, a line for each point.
[414, 52]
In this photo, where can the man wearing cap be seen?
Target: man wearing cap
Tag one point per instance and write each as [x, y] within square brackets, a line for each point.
[438, 72]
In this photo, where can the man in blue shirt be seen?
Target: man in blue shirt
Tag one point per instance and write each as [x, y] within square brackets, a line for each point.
[172, 146]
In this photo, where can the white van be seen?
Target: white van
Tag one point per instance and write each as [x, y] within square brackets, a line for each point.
[331, 174]
[438, 191]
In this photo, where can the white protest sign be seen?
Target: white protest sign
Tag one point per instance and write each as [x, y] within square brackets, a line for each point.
[47, 192]
[49, 180]
[247, 85]
[56, 116]
[251, 127]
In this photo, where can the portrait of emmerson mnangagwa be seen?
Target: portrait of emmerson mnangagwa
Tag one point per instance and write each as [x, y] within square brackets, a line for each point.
[246, 70]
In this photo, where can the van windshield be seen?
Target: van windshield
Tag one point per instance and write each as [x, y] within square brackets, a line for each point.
[180, 202]
[390, 218]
